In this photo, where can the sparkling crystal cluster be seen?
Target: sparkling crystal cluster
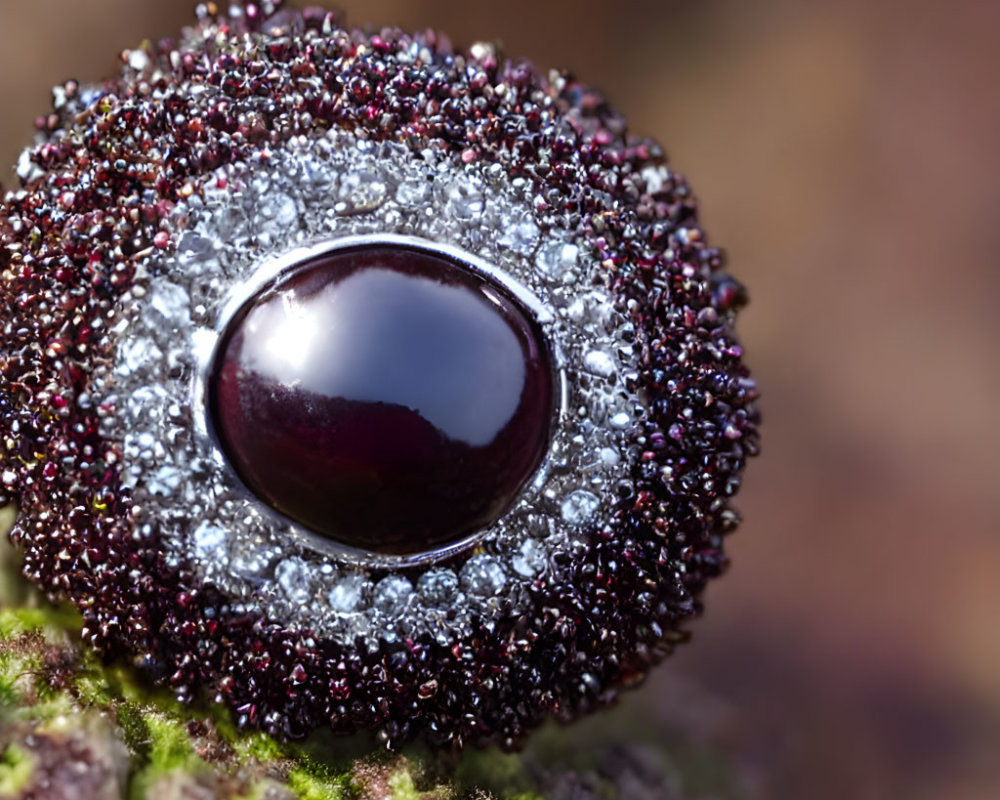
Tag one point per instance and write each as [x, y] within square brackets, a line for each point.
[147, 207]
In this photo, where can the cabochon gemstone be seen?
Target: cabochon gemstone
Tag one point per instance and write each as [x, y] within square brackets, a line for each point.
[385, 397]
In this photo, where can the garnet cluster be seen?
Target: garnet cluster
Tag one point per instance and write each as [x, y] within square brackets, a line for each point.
[352, 381]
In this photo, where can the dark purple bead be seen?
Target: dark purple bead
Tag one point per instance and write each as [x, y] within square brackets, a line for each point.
[384, 397]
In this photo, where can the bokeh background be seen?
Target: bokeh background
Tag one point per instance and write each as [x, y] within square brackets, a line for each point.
[848, 157]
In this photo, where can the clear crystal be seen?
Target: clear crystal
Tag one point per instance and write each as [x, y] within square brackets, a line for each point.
[28, 170]
[413, 193]
[209, 540]
[172, 303]
[149, 401]
[463, 200]
[520, 237]
[141, 353]
[363, 191]
[249, 559]
[655, 177]
[164, 482]
[610, 457]
[579, 507]
[555, 258]
[347, 594]
[600, 363]
[294, 577]
[530, 559]
[193, 249]
[392, 595]
[620, 420]
[438, 586]
[483, 575]
[232, 225]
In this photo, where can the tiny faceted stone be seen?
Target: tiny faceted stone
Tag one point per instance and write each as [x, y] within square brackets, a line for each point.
[483, 575]
[347, 595]
[294, 579]
[438, 585]
[386, 398]
[392, 594]
[579, 507]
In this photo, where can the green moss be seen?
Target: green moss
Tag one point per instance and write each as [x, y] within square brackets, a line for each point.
[57, 712]
[152, 725]
[25, 688]
[256, 746]
[25, 619]
[11, 670]
[98, 685]
[170, 746]
[9, 696]
[168, 749]
[310, 784]
[135, 732]
[402, 786]
[249, 745]
[16, 621]
[16, 768]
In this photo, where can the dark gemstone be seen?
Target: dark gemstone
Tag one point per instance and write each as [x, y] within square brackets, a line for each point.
[384, 397]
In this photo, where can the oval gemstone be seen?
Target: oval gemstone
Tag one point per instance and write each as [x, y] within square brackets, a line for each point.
[385, 397]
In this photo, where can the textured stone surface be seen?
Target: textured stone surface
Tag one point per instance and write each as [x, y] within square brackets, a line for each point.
[81, 759]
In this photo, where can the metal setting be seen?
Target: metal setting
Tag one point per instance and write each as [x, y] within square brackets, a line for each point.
[271, 273]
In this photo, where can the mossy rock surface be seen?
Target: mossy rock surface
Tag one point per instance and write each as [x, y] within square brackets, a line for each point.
[73, 727]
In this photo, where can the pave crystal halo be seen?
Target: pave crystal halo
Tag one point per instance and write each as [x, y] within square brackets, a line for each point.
[160, 212]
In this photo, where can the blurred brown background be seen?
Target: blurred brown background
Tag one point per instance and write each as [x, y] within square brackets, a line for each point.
[848, 157]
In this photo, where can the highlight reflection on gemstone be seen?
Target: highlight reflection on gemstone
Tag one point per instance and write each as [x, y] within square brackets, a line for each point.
[385, 397]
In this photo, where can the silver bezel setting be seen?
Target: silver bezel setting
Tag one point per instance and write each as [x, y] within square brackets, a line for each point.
[275, 270]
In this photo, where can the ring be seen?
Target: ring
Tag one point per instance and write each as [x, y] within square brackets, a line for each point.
[355, 382]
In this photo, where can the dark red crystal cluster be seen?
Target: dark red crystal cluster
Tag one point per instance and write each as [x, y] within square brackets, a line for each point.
[113, 163]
